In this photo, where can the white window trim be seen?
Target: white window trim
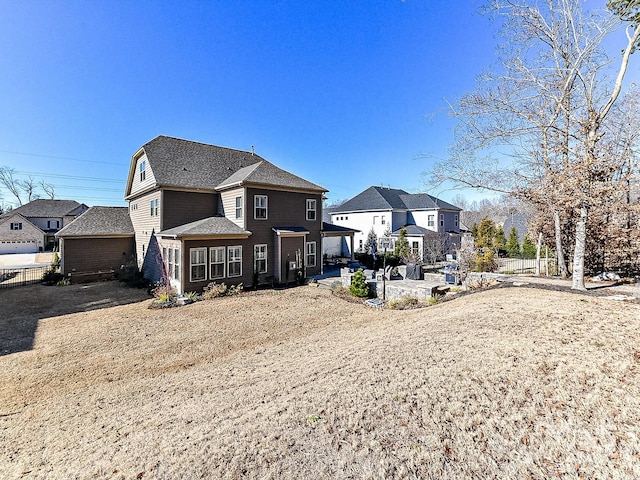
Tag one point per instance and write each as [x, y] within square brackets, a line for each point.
[311, 207]
[224, 261]
[431, 220]
[442, 219]
[191, 264]
[265, 258]
[255, 207]
[154, 206]
[309, 255]
[143, 170]
[229, 261]
[239, 208]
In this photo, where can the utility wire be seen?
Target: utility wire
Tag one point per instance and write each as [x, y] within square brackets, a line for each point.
[63, 158]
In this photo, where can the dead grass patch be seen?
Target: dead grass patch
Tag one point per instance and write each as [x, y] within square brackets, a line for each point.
[506, 383]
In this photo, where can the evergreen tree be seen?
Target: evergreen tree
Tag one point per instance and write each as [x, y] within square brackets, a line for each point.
[359, 286]
[513, 245]
[486, 233]
[500, 240]
[528, 248]
[402, 245]
[371, 239]
[474, 231]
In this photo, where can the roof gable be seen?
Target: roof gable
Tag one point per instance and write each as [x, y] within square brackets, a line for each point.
[15, 217]
[266, 173]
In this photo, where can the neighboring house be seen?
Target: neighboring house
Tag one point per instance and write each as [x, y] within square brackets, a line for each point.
[428, 220]
[32, 227]
[101, 240]
[222, 215]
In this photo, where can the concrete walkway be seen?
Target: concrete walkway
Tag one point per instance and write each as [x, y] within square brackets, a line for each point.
[25, 260]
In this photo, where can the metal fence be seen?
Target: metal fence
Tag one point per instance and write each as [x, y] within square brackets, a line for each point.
[547, 266]
[15, 277]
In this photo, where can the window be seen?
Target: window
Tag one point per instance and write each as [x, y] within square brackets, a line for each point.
[414, 248]
[143, 170]
[382, 221]
[154, 207]
[375, 219]
[260, 207]
[238, 207]
[311, 209]
[431, 221]
[216, 267]
[361, 246]
[134, 206]
[172, 262]
[234, 259]
[198, 264]
[260, 258]
[53, 224]
[455, 220]
[16, 226]
[442, 219]
[311, 254]
[176, 263]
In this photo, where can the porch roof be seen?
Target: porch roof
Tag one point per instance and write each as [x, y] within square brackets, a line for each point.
[211, 226]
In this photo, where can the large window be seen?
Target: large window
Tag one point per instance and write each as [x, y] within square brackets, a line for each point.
[234, 261]
[260, 207]
[260, 258]
[311, 209]
[238, 207]
[154, 207]
[311, 254]
[143, 170]
[198, 264]
[216, 267]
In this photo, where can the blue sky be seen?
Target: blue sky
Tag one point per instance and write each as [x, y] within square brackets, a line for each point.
[344, 94]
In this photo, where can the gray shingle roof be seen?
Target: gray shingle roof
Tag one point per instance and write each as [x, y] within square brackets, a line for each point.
[330, 227]
[414, 230]
[192, 165]
[210, 226]
[100, 222]
[45, 208]
[381, 198]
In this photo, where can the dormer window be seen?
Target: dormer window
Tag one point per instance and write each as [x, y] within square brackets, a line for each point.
[143, 170]
[260, 207]
[311, 209]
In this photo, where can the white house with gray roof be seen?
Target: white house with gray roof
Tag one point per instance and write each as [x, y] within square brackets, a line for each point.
[426, 218]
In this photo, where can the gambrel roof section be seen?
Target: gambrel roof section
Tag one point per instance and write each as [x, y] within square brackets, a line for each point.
[100, 222]
[267, 174]
[187, 165]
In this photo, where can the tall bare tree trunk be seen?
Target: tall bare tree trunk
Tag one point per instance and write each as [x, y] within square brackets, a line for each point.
[562, 264]
[578, 254]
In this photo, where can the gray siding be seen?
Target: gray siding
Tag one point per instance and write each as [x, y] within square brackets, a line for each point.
[180, 208]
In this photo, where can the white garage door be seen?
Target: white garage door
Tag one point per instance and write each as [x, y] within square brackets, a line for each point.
[23, 246]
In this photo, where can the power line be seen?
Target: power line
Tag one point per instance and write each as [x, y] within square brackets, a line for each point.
[63, 158]
[73, 177]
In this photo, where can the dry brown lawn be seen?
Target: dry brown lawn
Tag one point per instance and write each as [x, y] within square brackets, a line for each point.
[513, 383]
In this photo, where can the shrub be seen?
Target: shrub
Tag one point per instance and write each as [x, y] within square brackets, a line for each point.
[359, 286]
[56, 260]
[193, 296]
[52, 276]
[486, 262]
[215, 290]
[403, 303]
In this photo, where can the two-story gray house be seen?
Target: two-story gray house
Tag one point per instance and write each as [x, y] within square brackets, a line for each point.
[222, 215]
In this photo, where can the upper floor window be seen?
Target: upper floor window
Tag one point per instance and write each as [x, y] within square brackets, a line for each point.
[260, 207]
[134, 206]
[431, 221]
[260, 256]
[16, 226]
[455, 220]
[382, 220]
[53, 224]
[375, 219]
[154, 207]
[442, 219]
[238, 207]
[143, 170]
[311, 209]
[198, 258]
